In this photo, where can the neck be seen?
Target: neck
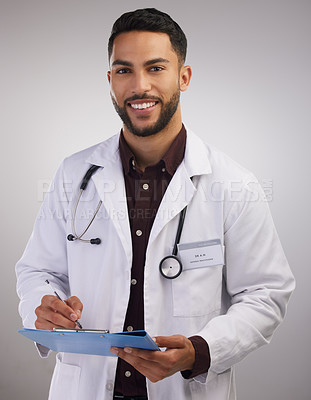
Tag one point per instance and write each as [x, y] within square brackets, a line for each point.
[150, 150]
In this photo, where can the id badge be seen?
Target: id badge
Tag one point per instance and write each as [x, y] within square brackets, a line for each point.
[203, 254]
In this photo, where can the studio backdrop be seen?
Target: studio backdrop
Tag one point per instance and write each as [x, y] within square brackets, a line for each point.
[249, 96]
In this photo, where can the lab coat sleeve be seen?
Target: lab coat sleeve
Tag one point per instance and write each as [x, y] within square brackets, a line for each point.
[45, 255]
[258, 281]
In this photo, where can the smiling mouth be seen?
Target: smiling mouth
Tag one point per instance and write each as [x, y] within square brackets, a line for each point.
[142, 106]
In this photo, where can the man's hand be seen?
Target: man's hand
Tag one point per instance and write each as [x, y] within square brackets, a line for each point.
[157, 365]
[53, 313]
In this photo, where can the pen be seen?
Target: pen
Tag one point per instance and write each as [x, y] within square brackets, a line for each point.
[58, 296]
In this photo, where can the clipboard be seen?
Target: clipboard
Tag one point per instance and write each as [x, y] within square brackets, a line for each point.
[89, 341]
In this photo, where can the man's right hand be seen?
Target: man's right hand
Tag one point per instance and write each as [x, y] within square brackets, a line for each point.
[54, 313]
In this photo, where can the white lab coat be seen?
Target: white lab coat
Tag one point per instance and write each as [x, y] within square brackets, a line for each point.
[235, 307]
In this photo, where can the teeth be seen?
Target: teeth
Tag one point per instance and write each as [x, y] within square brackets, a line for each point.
[142, 106]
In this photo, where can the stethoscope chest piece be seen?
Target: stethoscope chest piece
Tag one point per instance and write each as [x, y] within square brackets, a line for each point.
[170, 267]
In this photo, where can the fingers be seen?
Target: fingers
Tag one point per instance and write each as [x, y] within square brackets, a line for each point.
[76, 305]
[47, 325]
[156, 365]
[49, 319]
[144, 362]
[54, 313]
[131, 353]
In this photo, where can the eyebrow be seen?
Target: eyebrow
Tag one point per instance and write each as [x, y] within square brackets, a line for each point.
[147, 63]
[156, 61]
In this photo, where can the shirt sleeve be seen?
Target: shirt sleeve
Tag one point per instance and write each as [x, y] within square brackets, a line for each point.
[202, 358]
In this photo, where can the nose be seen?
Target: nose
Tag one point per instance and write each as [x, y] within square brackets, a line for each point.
[141, 83]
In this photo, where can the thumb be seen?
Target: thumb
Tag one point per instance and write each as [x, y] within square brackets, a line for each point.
[170, 342]
[75, 303]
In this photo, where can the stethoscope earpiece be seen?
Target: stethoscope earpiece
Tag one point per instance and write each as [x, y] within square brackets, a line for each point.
[71, 238]
[95, 241]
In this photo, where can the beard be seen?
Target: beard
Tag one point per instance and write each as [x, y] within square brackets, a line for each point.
[167, 112]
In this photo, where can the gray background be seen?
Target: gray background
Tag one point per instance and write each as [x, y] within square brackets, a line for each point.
[249, 97]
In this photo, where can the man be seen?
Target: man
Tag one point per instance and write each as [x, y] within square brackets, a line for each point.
[232, 290]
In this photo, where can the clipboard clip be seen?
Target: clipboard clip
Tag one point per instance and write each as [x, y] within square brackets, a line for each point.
[67, 330]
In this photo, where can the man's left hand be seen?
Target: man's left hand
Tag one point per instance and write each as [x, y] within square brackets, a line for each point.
[157, 365]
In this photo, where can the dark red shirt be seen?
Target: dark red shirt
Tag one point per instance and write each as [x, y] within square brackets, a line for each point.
[144, 191]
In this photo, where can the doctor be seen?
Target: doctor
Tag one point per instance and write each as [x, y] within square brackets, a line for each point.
[234, 285]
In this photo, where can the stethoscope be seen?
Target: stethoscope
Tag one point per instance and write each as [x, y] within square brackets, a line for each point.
[170, 266]
[74, 236]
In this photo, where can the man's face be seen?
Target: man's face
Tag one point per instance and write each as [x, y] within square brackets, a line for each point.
[144, 81]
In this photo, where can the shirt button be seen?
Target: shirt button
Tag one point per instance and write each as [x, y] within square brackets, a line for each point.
[163, 169]
[130, 328]
[109, 386]
[139, 232]
[145, 186]
[133, 281]
[128, 374]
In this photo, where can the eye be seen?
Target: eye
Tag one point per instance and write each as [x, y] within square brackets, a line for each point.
[156, 69]
[122, 71]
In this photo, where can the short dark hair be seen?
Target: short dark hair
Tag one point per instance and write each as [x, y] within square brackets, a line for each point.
[151, 20]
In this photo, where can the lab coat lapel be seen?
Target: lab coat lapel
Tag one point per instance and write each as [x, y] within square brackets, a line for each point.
[109, 183]
[178, 194]
[181, 188]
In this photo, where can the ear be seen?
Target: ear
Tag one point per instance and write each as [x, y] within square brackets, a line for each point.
[109, 76]
[184, 77]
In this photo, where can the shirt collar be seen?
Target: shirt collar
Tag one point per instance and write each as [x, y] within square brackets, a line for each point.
[171, 159]
[127, 157]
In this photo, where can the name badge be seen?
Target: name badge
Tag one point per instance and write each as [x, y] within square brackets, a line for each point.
[201, 254]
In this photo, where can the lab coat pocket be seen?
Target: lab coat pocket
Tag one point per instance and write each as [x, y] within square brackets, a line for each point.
[217, 387]
[65, 381]
[197, 292]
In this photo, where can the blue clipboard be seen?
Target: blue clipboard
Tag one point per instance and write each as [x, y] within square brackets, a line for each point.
[89, 342]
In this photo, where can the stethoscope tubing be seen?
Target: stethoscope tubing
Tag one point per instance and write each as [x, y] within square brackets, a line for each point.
[84, 183]
[79, 237]
[179, 230]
